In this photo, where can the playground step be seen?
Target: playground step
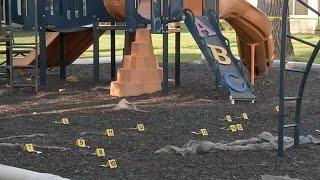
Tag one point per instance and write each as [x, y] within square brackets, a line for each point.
[295, 70]
[143, 36]
[290, 125]
[142, 49]
[147, 75]
[291, 98]
[133, 89]
[131, 62]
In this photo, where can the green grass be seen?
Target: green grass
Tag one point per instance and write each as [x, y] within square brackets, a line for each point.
[189, 49]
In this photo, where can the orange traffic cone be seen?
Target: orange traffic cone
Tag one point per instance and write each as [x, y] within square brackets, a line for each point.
[140, 73]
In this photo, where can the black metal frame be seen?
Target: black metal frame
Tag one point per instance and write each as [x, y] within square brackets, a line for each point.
[306, 72]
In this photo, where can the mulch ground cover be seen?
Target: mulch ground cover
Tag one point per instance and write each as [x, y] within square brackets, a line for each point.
[170, 120]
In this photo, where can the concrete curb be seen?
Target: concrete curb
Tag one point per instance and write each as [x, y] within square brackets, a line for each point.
[296, 65]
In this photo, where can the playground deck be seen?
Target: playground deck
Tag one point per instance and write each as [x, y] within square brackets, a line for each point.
[170, 121]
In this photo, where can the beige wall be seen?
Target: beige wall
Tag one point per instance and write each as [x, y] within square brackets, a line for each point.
[303, 23]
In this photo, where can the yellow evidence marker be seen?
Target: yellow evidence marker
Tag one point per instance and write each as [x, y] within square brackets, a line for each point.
[64, 121]
[240, 127]
[81, 143]
[112, 164]
[233, 128]
[109, 132]
[140, 127]
[204, 132]
[100, 152]
[245, 116]
[29, 148]
[228, 118]
[276, 109]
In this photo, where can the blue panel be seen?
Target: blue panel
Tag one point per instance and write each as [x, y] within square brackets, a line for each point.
[29, 18]
[156, 23]
[231, 76]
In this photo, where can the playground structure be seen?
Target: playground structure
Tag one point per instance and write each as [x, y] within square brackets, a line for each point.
[74, 25]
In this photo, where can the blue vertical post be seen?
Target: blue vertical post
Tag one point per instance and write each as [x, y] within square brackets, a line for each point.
[165, 85]
[177, 59]
[41, 15]
[62, 58]
[7, 23]
[96, 64]
[43, 57]
[282, 76]
[113, 53]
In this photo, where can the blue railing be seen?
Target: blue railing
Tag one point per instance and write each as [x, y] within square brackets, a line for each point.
[77, 13]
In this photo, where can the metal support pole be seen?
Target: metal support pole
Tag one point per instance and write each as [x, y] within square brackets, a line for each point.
[113, 54]
[177, 59]
[252, 63]
[282, 76]
[301, 93]
[165, 85]
[96, 64]
[43, 57]
[8, 24]
[62, 58]
[129, 38]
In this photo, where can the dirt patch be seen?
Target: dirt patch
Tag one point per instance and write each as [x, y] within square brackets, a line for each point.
[168, 119]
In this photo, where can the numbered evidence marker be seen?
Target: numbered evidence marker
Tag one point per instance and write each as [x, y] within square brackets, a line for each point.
[29, 148]
[81, 143]
[245, 116]
[204, 132]
[140, 127]
[228, 118]
[112, 164]
[64, 121]
[109, 132]
[235, 128]
[240, 127]
[276, 109]
[100, 152]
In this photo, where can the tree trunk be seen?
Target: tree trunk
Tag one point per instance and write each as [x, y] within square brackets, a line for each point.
[273, 8]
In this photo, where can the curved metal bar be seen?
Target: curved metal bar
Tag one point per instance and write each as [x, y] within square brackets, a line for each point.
[301, 93]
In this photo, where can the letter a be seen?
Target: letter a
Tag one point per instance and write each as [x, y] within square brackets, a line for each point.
[201, 27]
[220, 54]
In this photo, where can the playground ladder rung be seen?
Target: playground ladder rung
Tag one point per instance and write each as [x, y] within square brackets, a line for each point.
[295, 70]
[301, 40]
[291, 98]
[290, 125]
[23, 85]
[25, 67]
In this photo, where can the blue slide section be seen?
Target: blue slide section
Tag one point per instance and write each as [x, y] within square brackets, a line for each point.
[227, 69]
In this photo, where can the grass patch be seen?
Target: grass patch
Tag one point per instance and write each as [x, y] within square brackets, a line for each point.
[189, 49]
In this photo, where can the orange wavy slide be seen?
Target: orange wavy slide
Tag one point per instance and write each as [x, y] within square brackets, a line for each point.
[76, 43]
[252, 26]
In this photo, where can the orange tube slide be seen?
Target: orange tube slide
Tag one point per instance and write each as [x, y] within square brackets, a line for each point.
[252, 27]
[117, 8]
